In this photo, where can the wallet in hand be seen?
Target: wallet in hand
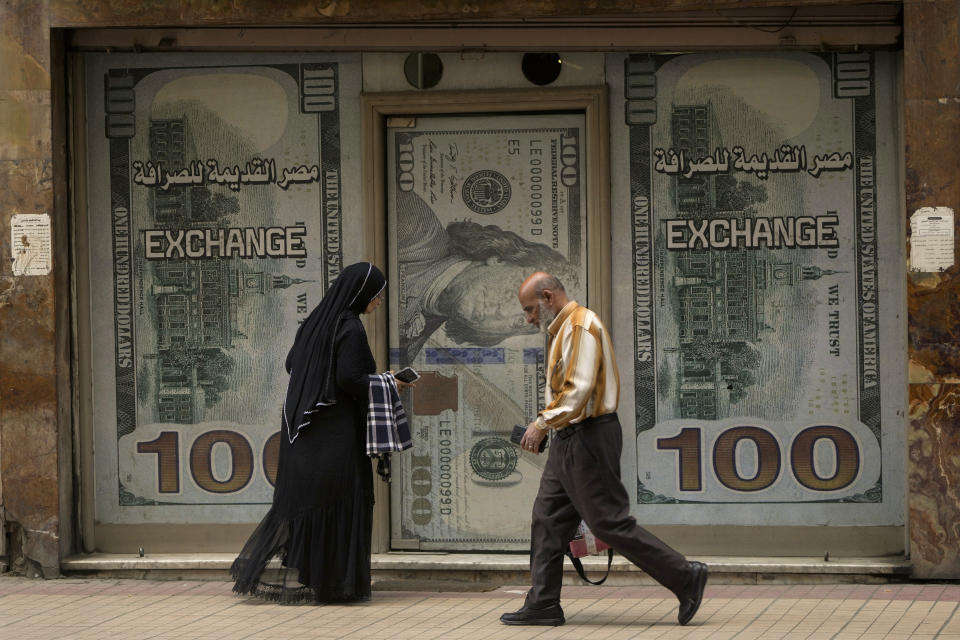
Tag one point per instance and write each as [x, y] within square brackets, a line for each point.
[517, 435]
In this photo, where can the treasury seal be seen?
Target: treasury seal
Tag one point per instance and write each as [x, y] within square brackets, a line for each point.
[493, 458]
[486, 191]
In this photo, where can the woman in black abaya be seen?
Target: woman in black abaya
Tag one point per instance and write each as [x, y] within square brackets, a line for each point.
[322, 514]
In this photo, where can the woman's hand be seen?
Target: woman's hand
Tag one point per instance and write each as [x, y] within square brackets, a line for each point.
[401, 385]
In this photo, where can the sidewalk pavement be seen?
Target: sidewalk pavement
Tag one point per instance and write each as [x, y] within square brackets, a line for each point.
[76, 609]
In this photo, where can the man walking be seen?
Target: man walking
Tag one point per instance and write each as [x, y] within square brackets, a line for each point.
[582, 475]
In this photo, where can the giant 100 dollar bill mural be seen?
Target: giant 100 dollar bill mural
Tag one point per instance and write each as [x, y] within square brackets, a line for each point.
[216, 212]
[475, 205]
[760, 199]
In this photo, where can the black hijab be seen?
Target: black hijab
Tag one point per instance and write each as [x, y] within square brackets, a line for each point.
[310, 362]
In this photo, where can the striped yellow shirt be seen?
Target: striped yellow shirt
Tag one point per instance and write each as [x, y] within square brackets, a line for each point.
[582, 376]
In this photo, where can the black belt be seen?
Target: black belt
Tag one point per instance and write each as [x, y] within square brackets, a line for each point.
[567, 432]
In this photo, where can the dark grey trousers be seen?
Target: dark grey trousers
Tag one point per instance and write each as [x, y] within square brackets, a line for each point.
[582, 480]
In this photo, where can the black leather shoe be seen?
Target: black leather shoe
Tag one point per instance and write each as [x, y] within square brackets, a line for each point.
[692, 595]
[551, 616]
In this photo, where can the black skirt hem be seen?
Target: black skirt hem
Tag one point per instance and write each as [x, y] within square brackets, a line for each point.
[324, 555]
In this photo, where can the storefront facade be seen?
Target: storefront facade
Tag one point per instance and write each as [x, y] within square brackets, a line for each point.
[731, 197]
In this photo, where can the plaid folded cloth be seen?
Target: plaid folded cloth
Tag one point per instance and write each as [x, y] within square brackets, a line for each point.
[387, 426]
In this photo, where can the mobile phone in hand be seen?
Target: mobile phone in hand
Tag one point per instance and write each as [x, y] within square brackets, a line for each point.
[407, 374]
[517, 435]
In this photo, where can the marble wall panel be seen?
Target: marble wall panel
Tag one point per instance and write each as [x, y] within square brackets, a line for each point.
[28, 401]
[933, 302]
[25, 81]
[930, 49]
[931, 129]
[934, 479]
[24, 125]
[24, 44]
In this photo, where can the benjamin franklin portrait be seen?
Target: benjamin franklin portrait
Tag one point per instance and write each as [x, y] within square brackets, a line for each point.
[463, 277]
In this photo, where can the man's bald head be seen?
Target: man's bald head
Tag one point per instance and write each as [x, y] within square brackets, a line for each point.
[540, 281]
[541, 296]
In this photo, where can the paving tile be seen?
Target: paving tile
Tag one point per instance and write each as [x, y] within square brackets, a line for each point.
[78, 609]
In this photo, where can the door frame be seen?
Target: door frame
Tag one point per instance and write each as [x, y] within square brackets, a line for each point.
[377, 108]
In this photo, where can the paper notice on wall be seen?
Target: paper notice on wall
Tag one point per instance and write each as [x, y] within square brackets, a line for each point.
[931, 239]
[30, 241]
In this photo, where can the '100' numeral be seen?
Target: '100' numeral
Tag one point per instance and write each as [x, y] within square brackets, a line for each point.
[167, 449]
[768, 458]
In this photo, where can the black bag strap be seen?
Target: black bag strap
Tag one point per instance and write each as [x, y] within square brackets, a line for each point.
[579, 567]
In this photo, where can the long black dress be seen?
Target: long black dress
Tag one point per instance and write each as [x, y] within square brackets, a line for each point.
[321, 519]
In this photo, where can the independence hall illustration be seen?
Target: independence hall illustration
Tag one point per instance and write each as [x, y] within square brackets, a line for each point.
[195, 302]
[719, 296]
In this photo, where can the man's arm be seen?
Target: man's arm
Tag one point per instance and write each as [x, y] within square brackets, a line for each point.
[581, 355]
